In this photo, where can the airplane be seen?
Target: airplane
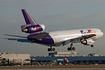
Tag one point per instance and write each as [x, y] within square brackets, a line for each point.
[85, 36]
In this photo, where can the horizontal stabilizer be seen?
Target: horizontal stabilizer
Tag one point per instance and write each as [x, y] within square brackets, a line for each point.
[15, 36]
[19, 40]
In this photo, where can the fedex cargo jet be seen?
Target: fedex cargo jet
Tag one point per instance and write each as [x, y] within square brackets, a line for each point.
[56, 38]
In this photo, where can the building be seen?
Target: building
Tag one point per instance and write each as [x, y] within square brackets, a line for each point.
[72, 57]
[93, 54]
[16, 58]
[63, 54]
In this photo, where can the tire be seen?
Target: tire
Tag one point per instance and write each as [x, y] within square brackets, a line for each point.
[73, 48]
[49, 49]
[53, 49]
[92, 45]
[68, 48]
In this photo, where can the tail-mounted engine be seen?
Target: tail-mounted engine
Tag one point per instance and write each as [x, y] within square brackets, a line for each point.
[87, 42]
[32, 28]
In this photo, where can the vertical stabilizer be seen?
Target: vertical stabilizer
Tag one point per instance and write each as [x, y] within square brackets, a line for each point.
[31, 26]
[28, 18]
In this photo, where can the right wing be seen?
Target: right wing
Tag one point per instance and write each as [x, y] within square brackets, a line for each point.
[78, 39]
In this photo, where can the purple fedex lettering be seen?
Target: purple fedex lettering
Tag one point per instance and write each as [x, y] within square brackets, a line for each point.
[88, 31]
[83, 32]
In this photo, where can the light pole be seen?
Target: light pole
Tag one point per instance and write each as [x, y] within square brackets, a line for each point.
[8, 48]
[17, 50]
[29, 48]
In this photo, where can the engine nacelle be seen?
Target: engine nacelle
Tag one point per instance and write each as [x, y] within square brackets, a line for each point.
[32, 28]
[87, 42]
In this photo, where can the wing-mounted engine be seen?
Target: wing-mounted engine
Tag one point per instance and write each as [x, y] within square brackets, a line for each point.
[87, 42]
[32, 28]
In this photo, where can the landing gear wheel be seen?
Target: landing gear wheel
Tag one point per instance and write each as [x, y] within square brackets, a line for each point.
[73, 48]
[92, 45]
[51, 49]
[68, 48]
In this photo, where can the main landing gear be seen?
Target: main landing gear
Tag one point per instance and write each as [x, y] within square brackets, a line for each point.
[71, 48]
[51, 49]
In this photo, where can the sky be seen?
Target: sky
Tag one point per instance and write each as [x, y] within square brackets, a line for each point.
[55, 15]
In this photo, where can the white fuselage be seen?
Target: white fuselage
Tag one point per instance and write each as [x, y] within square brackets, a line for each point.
[60, 36]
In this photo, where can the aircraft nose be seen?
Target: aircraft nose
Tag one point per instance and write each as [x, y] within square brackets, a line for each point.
[101, 34]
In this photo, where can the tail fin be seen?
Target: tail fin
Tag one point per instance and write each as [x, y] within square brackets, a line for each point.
[31, 26]
[28, 18]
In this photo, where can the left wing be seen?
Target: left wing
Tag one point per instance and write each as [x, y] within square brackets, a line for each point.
[78, 39]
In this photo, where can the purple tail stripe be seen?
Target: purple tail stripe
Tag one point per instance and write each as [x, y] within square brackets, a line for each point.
[28, 18]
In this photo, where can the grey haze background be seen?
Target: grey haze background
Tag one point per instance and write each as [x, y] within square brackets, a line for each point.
[56, 15]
